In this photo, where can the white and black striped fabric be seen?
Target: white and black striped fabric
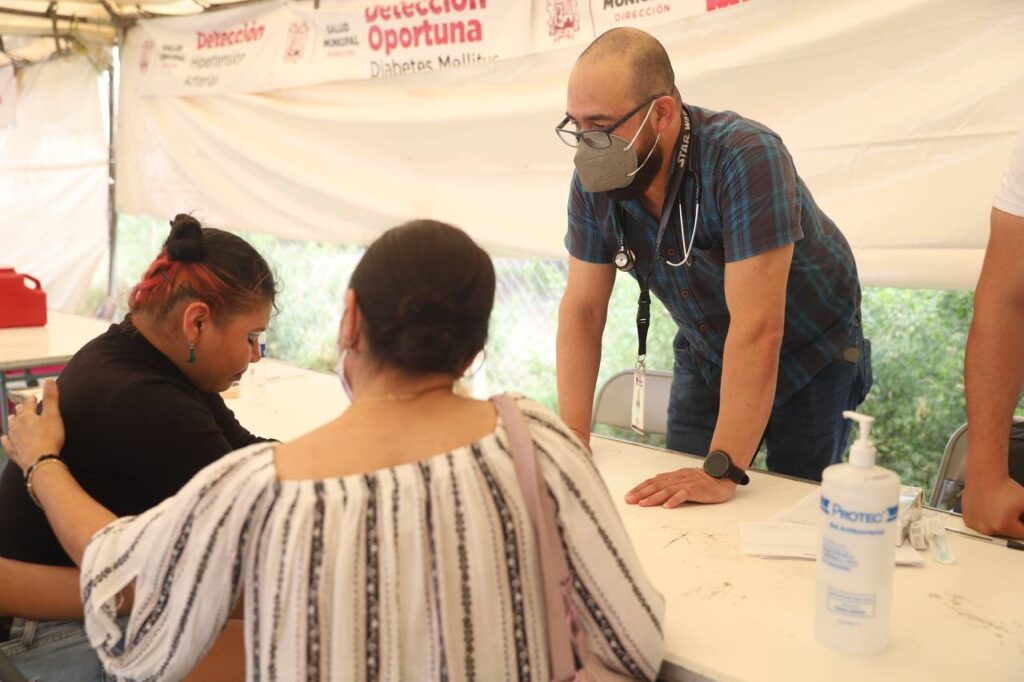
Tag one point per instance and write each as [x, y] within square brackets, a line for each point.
[424, 571]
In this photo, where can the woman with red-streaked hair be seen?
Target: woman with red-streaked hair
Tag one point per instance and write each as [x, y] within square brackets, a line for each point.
[144, 414]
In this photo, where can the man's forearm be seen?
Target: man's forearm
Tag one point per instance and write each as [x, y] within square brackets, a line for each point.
[994, 370]
[750, 367]
[578, 358]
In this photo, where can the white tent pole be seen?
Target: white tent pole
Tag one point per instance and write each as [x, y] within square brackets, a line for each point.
[110, 305]
[112, 73]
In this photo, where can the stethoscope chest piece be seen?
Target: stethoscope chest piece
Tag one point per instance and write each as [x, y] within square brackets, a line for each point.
[625, 259]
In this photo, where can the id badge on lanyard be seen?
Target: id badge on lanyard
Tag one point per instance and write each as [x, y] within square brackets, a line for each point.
[639, 377]
[643, 313]
[643, 320]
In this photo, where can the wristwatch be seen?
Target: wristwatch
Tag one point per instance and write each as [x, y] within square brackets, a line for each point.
[718, 464]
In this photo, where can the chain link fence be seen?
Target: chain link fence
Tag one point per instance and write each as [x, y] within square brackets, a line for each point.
[918, 335]
[312, 278]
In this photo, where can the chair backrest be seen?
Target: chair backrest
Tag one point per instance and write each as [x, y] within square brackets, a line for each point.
[613, 405]
[949, 481]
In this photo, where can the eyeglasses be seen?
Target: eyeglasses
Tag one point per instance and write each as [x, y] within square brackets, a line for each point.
[598, 138]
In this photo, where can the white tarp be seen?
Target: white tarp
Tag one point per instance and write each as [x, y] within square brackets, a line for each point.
[53, 180]
[899, 114]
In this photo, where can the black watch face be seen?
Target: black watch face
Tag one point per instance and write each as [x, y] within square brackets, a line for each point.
[716, 464]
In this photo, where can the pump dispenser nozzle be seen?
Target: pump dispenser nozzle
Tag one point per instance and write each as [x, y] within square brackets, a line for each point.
[862, 452]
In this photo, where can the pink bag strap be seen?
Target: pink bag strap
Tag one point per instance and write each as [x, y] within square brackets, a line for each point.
[565, 637]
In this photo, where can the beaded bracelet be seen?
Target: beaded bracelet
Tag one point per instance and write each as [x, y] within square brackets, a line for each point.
[32, 469]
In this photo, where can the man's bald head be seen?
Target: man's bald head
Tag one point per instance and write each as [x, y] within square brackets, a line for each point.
[641, 55]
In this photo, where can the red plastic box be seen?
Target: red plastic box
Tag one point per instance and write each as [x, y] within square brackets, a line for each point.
[21, 305]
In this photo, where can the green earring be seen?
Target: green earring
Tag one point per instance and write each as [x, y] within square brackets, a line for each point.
[191, 353]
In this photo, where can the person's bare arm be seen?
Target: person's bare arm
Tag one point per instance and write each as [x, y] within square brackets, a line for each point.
[74, 516]
[755, 291]
[993, 374]
[581, 320]
[225, 661]
[39, 592]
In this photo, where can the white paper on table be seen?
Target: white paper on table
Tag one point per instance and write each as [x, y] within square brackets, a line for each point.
[779, 539]
[806, 512]
[793, 534]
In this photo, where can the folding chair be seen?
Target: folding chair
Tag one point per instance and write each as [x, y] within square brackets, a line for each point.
[613, 405]
[949, 481]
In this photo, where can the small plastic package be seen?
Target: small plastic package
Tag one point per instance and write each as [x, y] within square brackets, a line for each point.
[910, 511]
[929, 532]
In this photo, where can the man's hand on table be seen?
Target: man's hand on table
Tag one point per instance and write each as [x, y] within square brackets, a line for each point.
[995, 508]
[673, 488]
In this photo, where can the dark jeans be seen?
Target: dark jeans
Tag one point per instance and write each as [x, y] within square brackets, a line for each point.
[804, 435]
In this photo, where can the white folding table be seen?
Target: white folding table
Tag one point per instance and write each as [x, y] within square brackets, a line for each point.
[29, 350]
[735, 617]
[730, 616]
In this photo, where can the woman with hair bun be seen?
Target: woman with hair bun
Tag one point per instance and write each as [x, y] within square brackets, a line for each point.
[143, 413]
[392, 543]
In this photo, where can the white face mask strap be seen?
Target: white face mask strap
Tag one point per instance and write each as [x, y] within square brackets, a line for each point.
[642, 124]
[644, 162]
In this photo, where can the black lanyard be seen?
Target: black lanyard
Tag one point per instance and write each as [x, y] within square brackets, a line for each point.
[643, 312]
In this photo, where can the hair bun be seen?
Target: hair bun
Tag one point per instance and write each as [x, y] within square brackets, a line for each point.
[423, 333]
[425, 290]
[185, 242]
[419, 311]
[426, 349]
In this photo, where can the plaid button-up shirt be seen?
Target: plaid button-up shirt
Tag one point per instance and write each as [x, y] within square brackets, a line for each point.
[752, 201]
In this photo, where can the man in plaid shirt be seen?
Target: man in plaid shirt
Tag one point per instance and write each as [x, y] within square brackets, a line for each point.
[762, 285]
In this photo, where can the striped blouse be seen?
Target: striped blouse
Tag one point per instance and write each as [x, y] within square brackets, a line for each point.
[424, 571]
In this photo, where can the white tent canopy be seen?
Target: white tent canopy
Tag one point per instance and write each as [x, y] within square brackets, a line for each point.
[53, 180]
[90, 20]
[899, 114]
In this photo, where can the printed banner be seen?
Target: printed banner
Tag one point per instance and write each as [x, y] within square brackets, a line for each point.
[563, 22]
[282, 44]
[8, 95]
[279, 45]
[381, 40]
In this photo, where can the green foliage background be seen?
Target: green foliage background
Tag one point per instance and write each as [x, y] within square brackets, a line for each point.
[918, 336]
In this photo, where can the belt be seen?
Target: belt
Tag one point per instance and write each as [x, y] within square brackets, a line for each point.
[5, 628]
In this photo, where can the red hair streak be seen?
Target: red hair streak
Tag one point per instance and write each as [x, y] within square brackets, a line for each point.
[166, 282]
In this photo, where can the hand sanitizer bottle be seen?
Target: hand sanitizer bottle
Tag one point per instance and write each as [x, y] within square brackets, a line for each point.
[859, 505]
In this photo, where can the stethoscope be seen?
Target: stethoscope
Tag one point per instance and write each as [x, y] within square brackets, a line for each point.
[625, 258]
